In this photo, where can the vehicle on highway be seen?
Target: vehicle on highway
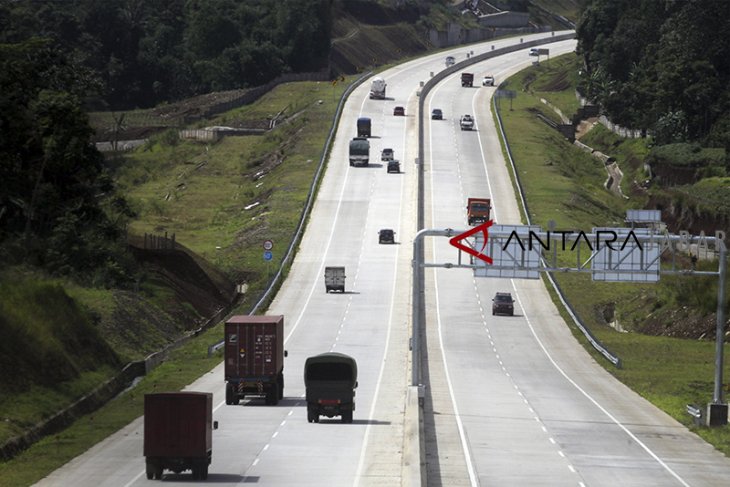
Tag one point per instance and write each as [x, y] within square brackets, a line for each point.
[534, 51]
[386, 236]
[437, 114]
[450, 61]
[466, 122]
[377, 89]
[488, 80]
[387, 154]
[334, 279]
[330, 380]
[467, 79]
[502, 303]
[399, 111]
[364, 125]
[178, 433]
[393, 166]
[254, 358]
[477, 210]
[359, 151]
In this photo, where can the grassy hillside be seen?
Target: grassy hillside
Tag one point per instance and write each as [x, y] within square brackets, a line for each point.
[47, 342]
[222, 200]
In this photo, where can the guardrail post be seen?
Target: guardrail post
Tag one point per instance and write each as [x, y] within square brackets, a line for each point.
[696, 413]
[717, 409]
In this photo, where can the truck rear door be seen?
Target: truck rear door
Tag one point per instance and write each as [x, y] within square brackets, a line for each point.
[251, 350]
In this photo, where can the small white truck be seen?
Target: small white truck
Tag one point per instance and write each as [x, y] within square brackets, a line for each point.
[334, 279]
[377, 89]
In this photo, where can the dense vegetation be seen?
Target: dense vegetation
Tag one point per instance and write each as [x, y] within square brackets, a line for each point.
[148, 51]
[51, 176]
[661, 66]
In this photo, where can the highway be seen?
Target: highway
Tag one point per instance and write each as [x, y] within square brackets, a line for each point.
[510, 400]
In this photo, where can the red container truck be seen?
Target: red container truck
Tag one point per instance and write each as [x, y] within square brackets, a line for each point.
[254, 358]
[178, 433]
[477, 210]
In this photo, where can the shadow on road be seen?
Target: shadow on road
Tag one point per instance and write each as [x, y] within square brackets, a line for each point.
[337, 420]
[221, 478]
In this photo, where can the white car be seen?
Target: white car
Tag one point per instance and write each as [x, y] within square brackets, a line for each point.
[466, 122]
[488, 81]
[534, 52]
[450, 61]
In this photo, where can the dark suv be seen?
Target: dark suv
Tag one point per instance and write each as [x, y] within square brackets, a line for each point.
[503, 304]
[386, 236]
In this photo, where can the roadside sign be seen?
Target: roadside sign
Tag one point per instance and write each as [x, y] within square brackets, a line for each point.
[268, 255]
[268, 244]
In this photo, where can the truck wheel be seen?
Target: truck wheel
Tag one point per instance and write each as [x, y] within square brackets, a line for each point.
[158, 472]
[204, 472]
[310, 416]
[272, 395]
[231, 395]
[150, 470]
[281, 385]
[347, 416]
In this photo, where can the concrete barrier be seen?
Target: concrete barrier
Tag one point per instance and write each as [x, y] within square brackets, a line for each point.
[412, 475]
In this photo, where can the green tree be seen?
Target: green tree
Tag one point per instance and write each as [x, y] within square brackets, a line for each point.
[51, 175]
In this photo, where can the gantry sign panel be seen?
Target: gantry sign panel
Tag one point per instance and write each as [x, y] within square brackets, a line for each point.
[522, 252]
[626, 259]
[511, 257]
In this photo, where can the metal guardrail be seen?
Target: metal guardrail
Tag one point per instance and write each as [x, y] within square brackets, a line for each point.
[696, 413]
[307, 208]
[595, 343]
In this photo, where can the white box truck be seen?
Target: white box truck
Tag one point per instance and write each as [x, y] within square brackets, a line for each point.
[377, 89]
[334, 279]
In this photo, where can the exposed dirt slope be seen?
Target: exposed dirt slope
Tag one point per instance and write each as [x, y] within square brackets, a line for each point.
[366, 34]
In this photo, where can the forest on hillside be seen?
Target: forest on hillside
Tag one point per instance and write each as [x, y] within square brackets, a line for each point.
[58, 207]
[661, 66]
[144, 52]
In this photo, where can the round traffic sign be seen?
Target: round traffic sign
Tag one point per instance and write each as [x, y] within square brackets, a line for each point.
[268, 255]
[268, 244]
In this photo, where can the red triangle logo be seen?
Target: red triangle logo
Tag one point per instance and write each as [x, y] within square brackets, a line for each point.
[484, 227]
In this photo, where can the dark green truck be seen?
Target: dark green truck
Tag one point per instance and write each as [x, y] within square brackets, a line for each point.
[330, 379]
